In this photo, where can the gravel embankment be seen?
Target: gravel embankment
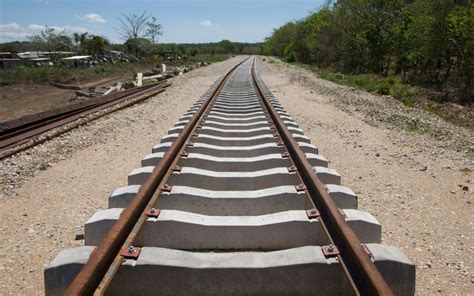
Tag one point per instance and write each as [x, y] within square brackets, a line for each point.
[409, 168]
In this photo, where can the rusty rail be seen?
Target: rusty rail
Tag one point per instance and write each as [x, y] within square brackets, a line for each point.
[91, 275]
[16, 132]
[362, 270]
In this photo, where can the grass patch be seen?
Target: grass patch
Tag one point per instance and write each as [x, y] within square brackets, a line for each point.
[390, 85]
[410, 96]
[63, 74]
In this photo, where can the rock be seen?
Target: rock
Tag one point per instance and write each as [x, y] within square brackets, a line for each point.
[101, 90]
[424, 168]
[465, 188]
[79, 236]
[377, 154]
[44, 166]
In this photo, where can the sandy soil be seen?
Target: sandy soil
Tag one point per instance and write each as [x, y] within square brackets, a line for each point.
[50, 191]
[418, 187]
[23, 99]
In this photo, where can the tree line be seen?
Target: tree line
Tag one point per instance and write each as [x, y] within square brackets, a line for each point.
[140, 32]
[425, 42]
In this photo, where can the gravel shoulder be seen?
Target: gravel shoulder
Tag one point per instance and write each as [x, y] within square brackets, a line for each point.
[409, 168]
[50, 191]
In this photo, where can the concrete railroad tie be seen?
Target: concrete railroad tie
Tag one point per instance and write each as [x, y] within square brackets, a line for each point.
[234, 221]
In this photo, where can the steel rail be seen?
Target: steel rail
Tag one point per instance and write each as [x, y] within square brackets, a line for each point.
[19, 134]
[362, 270]
[13, 126]
[92, 273]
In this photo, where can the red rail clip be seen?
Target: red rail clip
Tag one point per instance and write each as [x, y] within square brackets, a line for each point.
[285, 154]
[152, 213]
[292, 169]
[166, 188]
[190, 144]
[176, 168]
[280, 143]
[330, 251]
[130, 252]
[184, 154]
[300, 187]
[313, 213]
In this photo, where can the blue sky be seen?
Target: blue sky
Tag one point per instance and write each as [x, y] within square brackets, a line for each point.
[183, 21]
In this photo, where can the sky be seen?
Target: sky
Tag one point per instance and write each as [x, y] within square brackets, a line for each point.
[183, 21]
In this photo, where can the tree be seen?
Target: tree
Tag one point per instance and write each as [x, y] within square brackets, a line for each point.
[427, 42]
[49, 40]
[132, 25]
[139, 46]
[153, 30]
[90, 44]
[227, 46]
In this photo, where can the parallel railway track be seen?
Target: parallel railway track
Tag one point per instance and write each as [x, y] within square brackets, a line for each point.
[234, 200]
[27, 129]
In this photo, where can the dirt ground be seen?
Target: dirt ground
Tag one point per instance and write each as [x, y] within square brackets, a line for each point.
[419, 187]
[23, 99]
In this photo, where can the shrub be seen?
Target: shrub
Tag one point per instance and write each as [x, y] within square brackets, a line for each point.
[291, 57]
[383, 88]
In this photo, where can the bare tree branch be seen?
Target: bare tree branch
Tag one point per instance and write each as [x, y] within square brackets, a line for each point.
[132, 25]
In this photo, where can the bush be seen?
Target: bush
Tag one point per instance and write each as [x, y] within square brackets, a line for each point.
[291, 57]
[383, 88]
[399, 91]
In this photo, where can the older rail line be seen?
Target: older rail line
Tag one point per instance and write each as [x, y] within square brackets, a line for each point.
[19, 131]
[234, 200]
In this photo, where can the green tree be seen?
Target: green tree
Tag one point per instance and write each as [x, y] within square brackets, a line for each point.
[138, 46]
[50, 40]
[227, 46]
[90, 44]
[153, 30]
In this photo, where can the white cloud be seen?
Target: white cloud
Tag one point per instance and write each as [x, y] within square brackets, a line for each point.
[14, 31]
[93, 18]
[206, 23]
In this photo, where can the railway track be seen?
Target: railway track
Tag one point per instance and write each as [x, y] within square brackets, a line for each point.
[19, 131]
[234, 200]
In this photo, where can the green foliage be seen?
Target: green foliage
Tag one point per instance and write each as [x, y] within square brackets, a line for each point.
[222, 47]
[63, 74]
[226, 46]
[138, 46]
[90, 44]
[423, 42]
[153, 30]
[51, 40]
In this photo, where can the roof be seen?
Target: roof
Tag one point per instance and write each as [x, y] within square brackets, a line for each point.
[77, 57]
[40, 59]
